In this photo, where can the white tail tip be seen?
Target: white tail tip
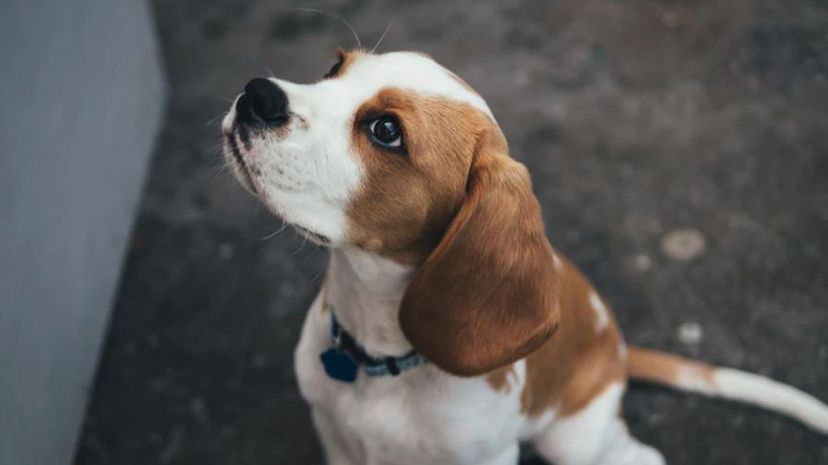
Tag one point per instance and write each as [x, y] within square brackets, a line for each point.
[772, 395]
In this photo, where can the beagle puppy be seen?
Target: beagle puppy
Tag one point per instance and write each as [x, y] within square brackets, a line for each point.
[448, 330]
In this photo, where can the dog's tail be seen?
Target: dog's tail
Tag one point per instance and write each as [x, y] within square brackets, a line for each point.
[692, 376]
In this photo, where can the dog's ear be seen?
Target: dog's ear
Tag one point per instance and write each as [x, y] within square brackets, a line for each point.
[488, 293]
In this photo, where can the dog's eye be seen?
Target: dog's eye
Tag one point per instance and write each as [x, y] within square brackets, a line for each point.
[334, 69]
[386, 131]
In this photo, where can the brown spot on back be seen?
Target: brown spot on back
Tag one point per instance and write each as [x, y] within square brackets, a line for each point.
[577, 363]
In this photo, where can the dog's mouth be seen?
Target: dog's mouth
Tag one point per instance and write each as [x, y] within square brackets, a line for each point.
[233, 138]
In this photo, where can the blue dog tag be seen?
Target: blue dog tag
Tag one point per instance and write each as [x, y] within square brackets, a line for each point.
[339, 365]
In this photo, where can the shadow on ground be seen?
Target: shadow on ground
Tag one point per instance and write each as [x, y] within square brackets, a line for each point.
[637, 119]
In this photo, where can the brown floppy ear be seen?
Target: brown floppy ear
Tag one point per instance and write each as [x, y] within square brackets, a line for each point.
[487, 295]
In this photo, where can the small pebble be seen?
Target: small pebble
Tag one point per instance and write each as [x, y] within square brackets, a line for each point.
[642, 262]
[683, 244]
[690, 333]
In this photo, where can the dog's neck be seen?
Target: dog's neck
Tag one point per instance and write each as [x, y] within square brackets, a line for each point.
[365, 291]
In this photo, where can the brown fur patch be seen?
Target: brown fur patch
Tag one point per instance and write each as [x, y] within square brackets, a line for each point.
[659, 367]
[408, 200]
[577, 363]
[487, 295]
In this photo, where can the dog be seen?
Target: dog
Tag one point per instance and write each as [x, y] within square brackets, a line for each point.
[447, 330]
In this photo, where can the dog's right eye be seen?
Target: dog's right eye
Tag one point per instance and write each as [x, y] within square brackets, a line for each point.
[334, 69]
[386, 132]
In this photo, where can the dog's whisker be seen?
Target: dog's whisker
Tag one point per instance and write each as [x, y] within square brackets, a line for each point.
[212, 121]
[301, 246]
[319, 273]
[221, 170]
[336, 16]
[274, 234]
[379, 41]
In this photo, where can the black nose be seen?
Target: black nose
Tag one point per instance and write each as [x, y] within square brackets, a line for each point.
[263, 102]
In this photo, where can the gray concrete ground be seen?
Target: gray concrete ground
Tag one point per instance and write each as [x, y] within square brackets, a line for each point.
[678, 150]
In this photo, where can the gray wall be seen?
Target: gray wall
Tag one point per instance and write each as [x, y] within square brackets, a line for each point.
[81, 95]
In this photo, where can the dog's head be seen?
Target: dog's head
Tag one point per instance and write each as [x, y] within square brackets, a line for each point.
[396, 155]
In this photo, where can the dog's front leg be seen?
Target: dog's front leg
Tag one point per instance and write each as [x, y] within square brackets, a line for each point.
[336, 447]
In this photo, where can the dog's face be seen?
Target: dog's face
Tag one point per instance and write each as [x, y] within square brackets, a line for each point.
[376, 154]
[396, 155]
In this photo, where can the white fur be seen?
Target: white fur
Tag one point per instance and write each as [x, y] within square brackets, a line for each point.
[412, 71]
[773, 395]
[372, 289]
[308, 175]
[601, 312]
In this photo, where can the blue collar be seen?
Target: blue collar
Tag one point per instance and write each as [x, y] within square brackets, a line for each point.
[343, 359]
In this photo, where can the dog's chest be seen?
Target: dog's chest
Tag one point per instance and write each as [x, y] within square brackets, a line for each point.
[421, 416]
